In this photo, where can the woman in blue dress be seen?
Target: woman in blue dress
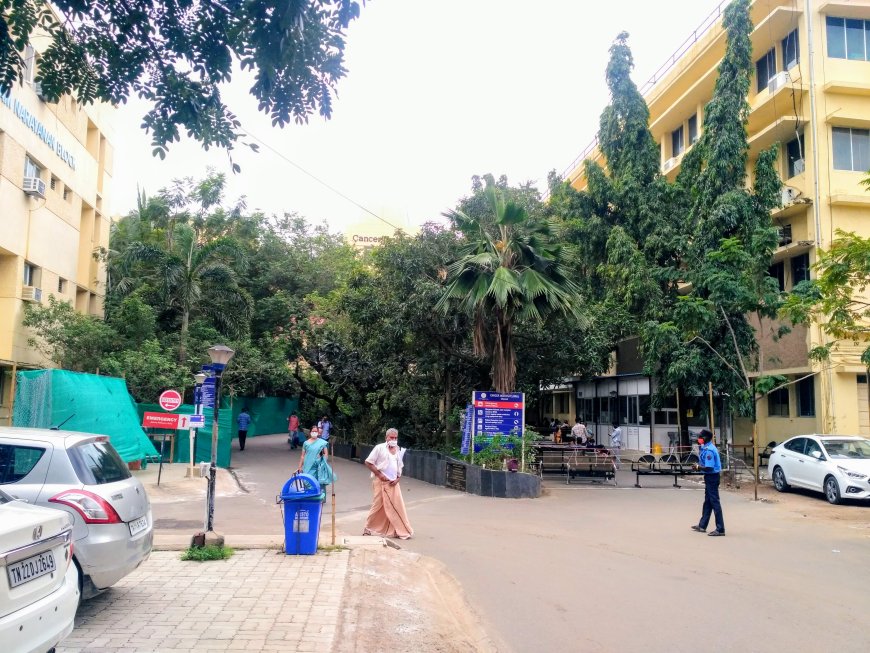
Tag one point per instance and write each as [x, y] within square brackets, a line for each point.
[313, 459]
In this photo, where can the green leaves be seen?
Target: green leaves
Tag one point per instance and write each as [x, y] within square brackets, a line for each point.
[177, 55]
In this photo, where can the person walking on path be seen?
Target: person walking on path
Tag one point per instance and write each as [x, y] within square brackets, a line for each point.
[313, 460]
[711, 465]
[293, 434]
[616, 443]
[387, 517]
[244, 421]
[324, 425]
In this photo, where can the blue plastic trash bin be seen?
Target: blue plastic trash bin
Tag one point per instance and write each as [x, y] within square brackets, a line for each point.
[302, 501]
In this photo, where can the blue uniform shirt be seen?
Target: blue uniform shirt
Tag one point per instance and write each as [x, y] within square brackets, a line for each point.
[710, 461]
[243, 420]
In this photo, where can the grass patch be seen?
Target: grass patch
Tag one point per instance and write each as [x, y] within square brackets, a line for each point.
[328, 548]
[204, 553]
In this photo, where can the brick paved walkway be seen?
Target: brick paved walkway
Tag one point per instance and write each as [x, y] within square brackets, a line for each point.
[257, 600]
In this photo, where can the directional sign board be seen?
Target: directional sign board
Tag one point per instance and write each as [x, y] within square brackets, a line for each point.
[498, 414]
[190, 421]
[160, 421]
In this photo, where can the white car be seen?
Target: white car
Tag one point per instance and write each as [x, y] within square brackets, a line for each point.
[82, 474]
[39, 588]
[836, 465]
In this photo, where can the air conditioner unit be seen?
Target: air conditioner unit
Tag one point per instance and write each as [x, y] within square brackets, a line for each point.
[31, 294]
[34, 186]
[784, 235]
[789, 195]
[670, 163]
[798, 166]
[778, 81]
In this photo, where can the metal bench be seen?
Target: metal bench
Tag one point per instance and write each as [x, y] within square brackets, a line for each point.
[592, 464]
[666, 465]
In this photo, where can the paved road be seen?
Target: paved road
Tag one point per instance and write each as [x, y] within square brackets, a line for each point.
[597, 568]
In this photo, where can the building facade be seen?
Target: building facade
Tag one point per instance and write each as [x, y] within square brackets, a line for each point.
[55, 180]
[811, 94]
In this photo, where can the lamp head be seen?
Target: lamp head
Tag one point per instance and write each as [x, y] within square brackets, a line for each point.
[199, 378]
[220, 355]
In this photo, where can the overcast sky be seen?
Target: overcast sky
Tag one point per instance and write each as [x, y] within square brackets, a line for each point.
[436, 92]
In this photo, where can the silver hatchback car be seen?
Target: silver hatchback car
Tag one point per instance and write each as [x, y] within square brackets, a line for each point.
[83, 475]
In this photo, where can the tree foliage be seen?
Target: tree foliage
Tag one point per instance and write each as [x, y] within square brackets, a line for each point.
[509, 269]
[176, 55]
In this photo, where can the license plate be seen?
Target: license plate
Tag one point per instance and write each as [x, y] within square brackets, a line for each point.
[30, 569]
[138, 525]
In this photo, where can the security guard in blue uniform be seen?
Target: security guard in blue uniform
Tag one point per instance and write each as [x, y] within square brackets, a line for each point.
[711, 465]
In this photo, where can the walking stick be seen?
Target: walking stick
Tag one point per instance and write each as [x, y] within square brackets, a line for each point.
[333, 498]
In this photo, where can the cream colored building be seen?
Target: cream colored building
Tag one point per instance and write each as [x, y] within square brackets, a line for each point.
[810, 93]
[55, 183]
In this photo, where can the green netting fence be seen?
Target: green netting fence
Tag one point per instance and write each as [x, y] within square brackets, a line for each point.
[84, 403]
[268, 415]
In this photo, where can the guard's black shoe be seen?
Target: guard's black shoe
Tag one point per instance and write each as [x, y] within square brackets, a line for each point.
[699, 529]
[716, 533]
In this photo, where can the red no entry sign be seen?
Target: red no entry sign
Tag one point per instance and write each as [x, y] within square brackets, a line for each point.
[169, 400]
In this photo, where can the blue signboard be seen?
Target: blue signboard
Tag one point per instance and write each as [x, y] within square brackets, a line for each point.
[466, 429]
[208, 387]
[498, 414]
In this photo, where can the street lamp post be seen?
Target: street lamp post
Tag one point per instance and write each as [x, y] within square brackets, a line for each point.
[199, 379]
[220, 356]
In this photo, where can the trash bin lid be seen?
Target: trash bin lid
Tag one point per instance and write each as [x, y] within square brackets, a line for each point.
[300, 486]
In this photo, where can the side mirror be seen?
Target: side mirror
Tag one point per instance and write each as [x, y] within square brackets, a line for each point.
[817, 455]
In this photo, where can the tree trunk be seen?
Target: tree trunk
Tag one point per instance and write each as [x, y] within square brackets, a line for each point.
[182, 339]
[448, 424]
[504, 358]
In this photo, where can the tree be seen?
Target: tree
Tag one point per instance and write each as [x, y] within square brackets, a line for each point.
[837, 298]
[176, 55]
[509, 269]
[71, 340]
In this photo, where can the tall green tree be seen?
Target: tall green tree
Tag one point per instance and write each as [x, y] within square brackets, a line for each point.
[178, 55]
[509, 269]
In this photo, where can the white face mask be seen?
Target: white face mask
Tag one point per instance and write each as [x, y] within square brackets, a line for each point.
[392, 443]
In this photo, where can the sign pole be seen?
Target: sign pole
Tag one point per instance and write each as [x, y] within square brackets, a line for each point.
[160, 468]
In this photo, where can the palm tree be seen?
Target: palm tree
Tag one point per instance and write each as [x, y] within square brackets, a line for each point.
[197, 279]
[509, 270]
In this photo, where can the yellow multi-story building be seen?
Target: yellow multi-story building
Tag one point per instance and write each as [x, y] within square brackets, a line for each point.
[55, 179]
[810, 93]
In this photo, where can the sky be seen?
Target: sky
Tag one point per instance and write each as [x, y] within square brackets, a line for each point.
[436, 92]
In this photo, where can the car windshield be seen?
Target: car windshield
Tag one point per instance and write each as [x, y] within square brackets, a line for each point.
[97, 463]
[848, 448]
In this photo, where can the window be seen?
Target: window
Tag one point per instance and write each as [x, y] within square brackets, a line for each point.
[800, 269]
[16, 461]
[31, 169]
[812, 447]
[777, 403]
[765, 69]
[794, 154]
[848, 38]
[29, 71]
[790, 50]
[851, 149]
[562, 402]
[67, 193]
[29, 274]
[677, 141]
[777, 271]
[806, 398]
[53, 183]
[61, 285]
[96, 463]
[693, 129]
[796, 445]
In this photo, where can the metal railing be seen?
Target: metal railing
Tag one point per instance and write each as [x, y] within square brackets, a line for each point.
[659, 74]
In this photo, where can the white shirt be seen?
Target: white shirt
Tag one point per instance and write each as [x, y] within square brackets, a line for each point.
[389, 464]
[616, 437]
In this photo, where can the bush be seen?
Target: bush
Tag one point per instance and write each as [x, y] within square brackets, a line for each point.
[204, 553]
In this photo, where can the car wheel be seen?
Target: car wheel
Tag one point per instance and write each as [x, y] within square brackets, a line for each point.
[779, 481]
[832, 490]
